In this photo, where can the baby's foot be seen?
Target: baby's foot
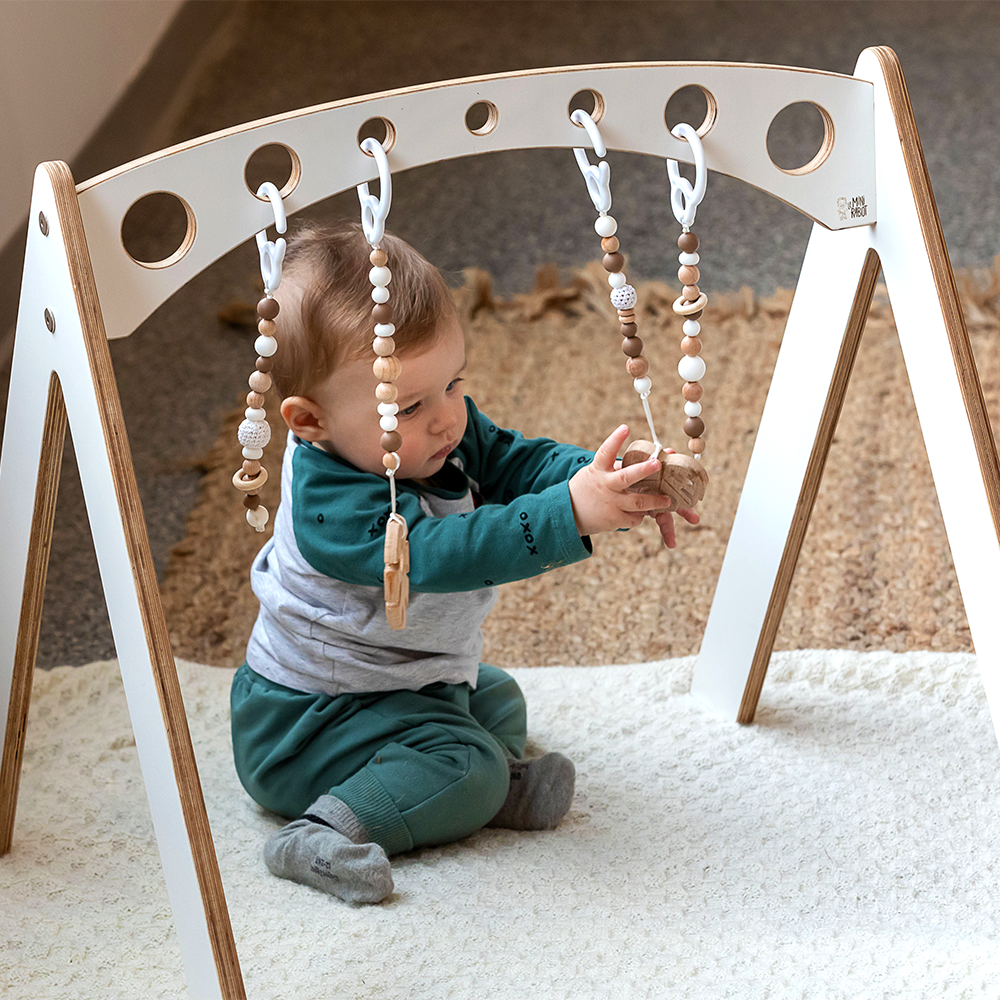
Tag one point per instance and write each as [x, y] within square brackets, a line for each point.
[541, 792]
[310, 851]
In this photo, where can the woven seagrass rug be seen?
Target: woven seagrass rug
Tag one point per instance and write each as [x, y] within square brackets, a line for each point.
[875, 571]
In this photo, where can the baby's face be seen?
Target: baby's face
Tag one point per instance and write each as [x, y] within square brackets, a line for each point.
[431, 416]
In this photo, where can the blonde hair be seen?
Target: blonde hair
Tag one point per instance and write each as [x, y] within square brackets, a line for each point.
[325, 297]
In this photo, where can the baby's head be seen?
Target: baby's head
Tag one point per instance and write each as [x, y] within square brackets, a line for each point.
[323, 367]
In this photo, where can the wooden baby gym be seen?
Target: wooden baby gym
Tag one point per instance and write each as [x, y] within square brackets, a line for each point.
[866, 190]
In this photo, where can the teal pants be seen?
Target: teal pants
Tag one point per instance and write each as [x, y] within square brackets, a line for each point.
[417, 768]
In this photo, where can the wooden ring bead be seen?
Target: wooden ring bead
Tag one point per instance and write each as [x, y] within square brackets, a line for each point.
[683, 307]
[250, 485]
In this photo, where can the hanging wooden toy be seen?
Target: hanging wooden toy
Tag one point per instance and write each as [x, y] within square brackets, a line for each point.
[255, 432]
[387, 368]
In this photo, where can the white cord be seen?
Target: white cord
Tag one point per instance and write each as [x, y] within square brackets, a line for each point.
[649, 420]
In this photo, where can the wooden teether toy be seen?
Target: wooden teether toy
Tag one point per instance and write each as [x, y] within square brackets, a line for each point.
[681, 477]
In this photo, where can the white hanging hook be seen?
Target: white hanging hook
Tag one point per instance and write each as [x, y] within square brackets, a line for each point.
[375, 210]
[598, 178]
[685, 198]
[272, 254]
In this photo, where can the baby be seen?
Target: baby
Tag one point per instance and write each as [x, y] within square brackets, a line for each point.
[375, 741]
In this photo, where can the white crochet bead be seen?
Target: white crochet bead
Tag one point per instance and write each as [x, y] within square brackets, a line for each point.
[265, 346]
[606, 226]
[254, 433]
[255, 413]
[257, 518]
[388, 423]
[385, 329]
[688, 258]
[643, 384]
[691, 369]
[380, 294]
[253, 453]
[380, 276]
[616, 280]
[388, 409]
[692, 409]
[691, 328]
[624, 297]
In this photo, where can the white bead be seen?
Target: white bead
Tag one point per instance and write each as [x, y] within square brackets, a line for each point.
[255, 413]
[385, 329]
[616, 280]
[643, 384]
[380, 276]
[388, 409]
[692, 409]
[388, 423]
[254, 433]
[265, 346]
[688, 258]
[624, 297]
[606, 226]
[380, 294]
[257, 518]
[691, 369]
[691, 328]
[253, 453]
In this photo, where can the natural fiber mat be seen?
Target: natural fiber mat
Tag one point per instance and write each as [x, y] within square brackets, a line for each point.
[875, 570]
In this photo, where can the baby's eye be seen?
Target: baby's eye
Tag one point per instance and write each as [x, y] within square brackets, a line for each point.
[410, 410]
[453, 383]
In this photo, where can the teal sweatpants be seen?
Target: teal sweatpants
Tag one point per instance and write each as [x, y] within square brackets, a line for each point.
[417, 768]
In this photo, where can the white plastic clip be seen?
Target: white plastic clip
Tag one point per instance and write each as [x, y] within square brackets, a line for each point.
[685, 198]
[375, 210]
[272, 254]
[598, 178]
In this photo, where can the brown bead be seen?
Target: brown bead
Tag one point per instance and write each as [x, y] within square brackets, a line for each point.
[690, 292]
[383, 346]
[691, 346]
[250, 467]
[378, 258]
[391, 441]
[613, 262]
[632, 347]
[267, 308]
[610, 244]
[251, 501]
[382, 312]
[255, 399]
[386, 392]
[267, 328]
[259, 382]
[637, 367]
[695, 315]
[696, 445]
[264, 364]
[629, 329]
[694, 427]
[688, 274]
[387, 369]
[688, 242]
[693, 391]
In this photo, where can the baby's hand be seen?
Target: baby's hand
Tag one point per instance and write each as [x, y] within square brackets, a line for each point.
[665, 520]
[598, 491]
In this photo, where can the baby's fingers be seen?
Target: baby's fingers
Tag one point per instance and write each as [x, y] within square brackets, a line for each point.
[633, 474]
[604, 459]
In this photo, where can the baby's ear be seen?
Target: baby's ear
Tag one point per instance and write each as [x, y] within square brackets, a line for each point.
[303, 417]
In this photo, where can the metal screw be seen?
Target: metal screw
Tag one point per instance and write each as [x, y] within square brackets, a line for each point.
[50, 321]
[43, 224]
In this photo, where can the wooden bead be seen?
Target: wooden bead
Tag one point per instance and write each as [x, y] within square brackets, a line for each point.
[384, 346]
[255, 399]
[694, 427]
[250, 467]
[267, 308]
[626, 315]
[687, 242]
[382, 313]
[696, 445]
[259, 382]
[632, 347]
[610, 244]
[378, 258]
[613, 262]
[637, 367]
[693, 391]
[267, 327]
[386, 392]
[691, 346]
[391, 441]
[387, 369]
[264, 364]
[688, 275]
[389, 462]
[690, 293]
[629, 329]
[251, 501]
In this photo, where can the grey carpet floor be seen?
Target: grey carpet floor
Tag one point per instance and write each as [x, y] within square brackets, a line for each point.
[508, 212]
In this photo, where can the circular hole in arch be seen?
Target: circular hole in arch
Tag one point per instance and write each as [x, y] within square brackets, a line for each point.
[691, 104]
[590, 101]
[274, 162]
[158, 229]
[482, 118]
[381, 130]
[800, 137]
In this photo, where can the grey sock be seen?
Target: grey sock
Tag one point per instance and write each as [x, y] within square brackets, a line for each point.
[541, 792]
[326, 849]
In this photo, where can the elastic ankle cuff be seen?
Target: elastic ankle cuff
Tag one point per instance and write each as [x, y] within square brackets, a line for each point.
[374, 809]
[337, 815]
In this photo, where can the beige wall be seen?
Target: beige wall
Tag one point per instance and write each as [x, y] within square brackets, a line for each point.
[63, 65]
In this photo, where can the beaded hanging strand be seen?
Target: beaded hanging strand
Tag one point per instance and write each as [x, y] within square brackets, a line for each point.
[387, 369]
[255, 432]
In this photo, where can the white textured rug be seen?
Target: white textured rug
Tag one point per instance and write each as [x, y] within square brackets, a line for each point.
[844, 846]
